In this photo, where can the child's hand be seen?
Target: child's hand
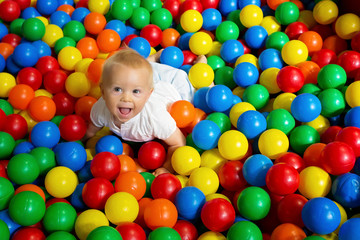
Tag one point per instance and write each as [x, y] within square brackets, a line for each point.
[160, 171]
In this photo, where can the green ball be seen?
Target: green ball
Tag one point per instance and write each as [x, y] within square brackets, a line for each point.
[280, 119]
[45, 159]
[104, 233]
[27, 208]
[244, 230]
[16, 26]
[221, 119]
[135, 3]
[59, 216]
[234, 17]
[151, 5]
[4, 230]
[75, 30]
[33, 29]
[254, 203]
[224, 76]
[23, 169]
[190, 142]
[286, 13]
[57, 119]
[164, 233]
[302, 137]
[332, 102]
[6, 107]
[140, 18]
[61, 235]
[122, 9]
[277, 40]
[6, 193]
[162, 18]
[309, 88]
[331, 76]
[227, 30]
[149, 178]
[64, 42]
[257, 95]
[7, 145]
[216, 62]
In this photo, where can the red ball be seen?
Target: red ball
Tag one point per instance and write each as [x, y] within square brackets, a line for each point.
[289, 209]
[96, 191]
[312, 154]
[54, 81]
[28, 233]
[83, 106]
[105, 165]
[191, 5]
[189, 57]
[350, 61]
[282, 179]
[30, 76]
[12, 39]
[295, 29]
[165, 185]
[218, 215]
[152, 33]
[337, 158]
[209, 3]
[65, 103]
[186, 229]
[351, 136]
[290, 79]
[2, 119]
[151, 155]
[46, 64]
[330, 134]
[131, 231]
[16, 126]
[3, 172]
[9, 10]
[324, 57]
[72, 128]
[293, 159]
[231, 177]
[355, 42]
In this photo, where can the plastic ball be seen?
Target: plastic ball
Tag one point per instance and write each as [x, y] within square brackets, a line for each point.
[165, 186]
[282, 179]
[151, 155]
[273, 142]
[23, 169]
[61, 235]
[10, 10]
[140, 18]
[162, 18]
[191, 20]
[270, 58]
[348, 229]
[96, 192]
[253, 203]
[350, 136]
[201, 75]
[312, 40]
[89, 220]
[72, 128]
[60, 182]
[121, 10]
[331, 76]
[7, 192]
[289, 209]
[170, 37]
[212, 159]
[239, 109]
[231, 177]
[185, 159]
[200, 43]
[212, 19]
[218, 215]
[16, 126]
[25, 55]
[28, 232]
[325, 12]
[131, 182]
[172, 56]
[121, 207]
[227, 30]
[109, 143]
[108, 40]
[256, 36]
[167, 232]
[64, 42]
[104, 232]
[68, 57]
[64, 103]
[160, 213]
[233, 145]
[7, 145]
[33, 29]
[59, 217]
[7, 83]
[83, 107]
[255, 169]
[257, 95]
[314, 182]
[347, 25]
[306, 107]
[251, 15]
[152, 33]
[141, 45]
[189, 202]
[204, 179]
[287, 13]
[251, 124]
[45, 158]
[294, 52]
[332, 102]
[350, 61]
[276, 40]
[106, 165]
[270, 24]
[345, 190]
[131, 231]
[219, 98]
[183, 113]
[295, 29]
[54, 81]
[292, 159]
[244, 229]
[268, 80]
[288, 230]
[206, 134]
[20, 96]
[351, 117]
[290, 79]
[186, 229]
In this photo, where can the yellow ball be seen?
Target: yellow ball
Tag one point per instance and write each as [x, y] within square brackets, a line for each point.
[99, 6]
[52, 34]
[268, 80]
[44, 20]
[121, 207]
[215, 49]
[294, 52]
[250, 58]
[212, 159]
[239, 109]
[347, 26]
[284, 101]
[201, 75]
[272, 143]
[306, 17]
[95, 92]
[77, 84]
[210, 235]
[83, 65]
[185, 159]
[191, 20]
[314, 182]
[320, 124]
[88, 221]
[183, 180]
[251, 15]
[29, 120]
[343, 215]
[217, 195]
[60, 182]
[43, 92]
[233, 145]
[68, 57]
[7, 82]
[200, 43]
[270, 24]
[352, 94]
[325, 12]
[204, 179]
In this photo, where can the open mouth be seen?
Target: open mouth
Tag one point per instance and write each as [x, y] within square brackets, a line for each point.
[125, 111]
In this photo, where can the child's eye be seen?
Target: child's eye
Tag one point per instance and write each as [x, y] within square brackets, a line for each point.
[117, 89]
[136, 91]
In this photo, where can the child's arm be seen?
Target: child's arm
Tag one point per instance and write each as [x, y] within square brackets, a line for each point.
[91, 131]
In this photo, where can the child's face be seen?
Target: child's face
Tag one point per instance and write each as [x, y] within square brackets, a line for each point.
[127, 92]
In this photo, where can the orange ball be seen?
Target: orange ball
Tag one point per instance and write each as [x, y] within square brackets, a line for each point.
[199, 115]
[94, 23]
[131, 182]
[287, 231]
[127, 150]
[6, 49]
[127, 163]
[66, 8]
[32, 188]
[42, 108]
[142, 205]
[20, 96]
[88, 47]
[160, 212]
[108, 40]
[312, 40]
[312, 154]
[83, 107]
[335, 43]
[273, 4]
[95, 70]
[310, 70]
[183, 113]
[170, 37]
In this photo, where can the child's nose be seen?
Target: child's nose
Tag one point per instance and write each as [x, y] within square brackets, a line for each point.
[126, 97]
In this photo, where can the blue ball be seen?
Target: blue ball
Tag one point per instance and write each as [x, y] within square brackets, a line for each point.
[118, 26]
[109, 143]
[200, 99]
[130, 30]
[85, 174]
[71, 155]
[11, 66]
[25, 55]
[206, 134]
[3, 30]
[306, 107]
[219, 98]
[236, 99]
[212, 19]
[270, 58]
[346, 190]
[141, 45]
[189, 202]
[251, 124]
[45, 134]
[12, 226]
[352, 117]
[30, 12]
[227, 6]
[23, 147]
[245, 74]
[231, 50]
[76, 197]
[68, 2]
[43, 48]
[79, 14]
[186, 68]
[321, 215]
[244, 3]
[172, 56]
[46, 7]
[255, 169]
[349, 230]
[2, 63]
[255, 37]
[60, 18]
[184, 39]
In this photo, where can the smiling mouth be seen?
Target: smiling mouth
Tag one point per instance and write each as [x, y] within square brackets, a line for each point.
[125, 111]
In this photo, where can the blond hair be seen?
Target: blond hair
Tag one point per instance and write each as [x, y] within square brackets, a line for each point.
[126, 58]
